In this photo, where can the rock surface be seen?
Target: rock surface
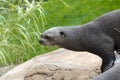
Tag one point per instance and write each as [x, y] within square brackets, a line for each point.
[5, 69]
[60, 64]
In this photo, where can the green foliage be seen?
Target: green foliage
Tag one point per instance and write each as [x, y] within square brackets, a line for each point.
[20, 27]
[21, 23]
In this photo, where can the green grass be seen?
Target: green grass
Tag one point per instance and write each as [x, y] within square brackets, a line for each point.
[21, 23]
[78, 12]
[19, 32]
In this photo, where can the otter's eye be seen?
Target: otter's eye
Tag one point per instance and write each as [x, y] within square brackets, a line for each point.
[62, 34]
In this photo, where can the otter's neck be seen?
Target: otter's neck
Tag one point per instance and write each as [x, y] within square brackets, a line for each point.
[73, 38]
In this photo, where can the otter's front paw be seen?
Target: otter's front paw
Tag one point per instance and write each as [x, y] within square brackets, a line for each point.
[108, 66]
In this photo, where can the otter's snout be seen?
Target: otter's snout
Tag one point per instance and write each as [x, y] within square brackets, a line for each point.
[46, 40]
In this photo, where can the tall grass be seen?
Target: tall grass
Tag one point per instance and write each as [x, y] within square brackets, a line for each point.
[19, 30]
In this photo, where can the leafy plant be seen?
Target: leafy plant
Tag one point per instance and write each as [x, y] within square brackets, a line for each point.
[20, 30]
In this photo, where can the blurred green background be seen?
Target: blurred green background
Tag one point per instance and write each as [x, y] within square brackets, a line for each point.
[22, 21]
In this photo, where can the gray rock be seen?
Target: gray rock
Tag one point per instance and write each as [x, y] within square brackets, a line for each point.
[57, 65]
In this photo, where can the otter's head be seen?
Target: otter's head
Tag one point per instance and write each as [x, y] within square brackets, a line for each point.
[52, 36]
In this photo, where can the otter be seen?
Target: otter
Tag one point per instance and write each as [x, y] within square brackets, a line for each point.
[100, 36]
[111, 74]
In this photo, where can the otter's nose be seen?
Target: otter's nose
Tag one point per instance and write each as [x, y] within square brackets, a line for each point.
[41, 41]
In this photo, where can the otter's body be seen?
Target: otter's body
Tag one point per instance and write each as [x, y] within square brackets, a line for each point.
[100, 36]
[111, 74]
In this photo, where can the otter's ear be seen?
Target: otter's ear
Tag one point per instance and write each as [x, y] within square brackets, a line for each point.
[62, 34]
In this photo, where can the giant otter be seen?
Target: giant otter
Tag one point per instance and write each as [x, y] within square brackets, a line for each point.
[100, 36]
[111, 74]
